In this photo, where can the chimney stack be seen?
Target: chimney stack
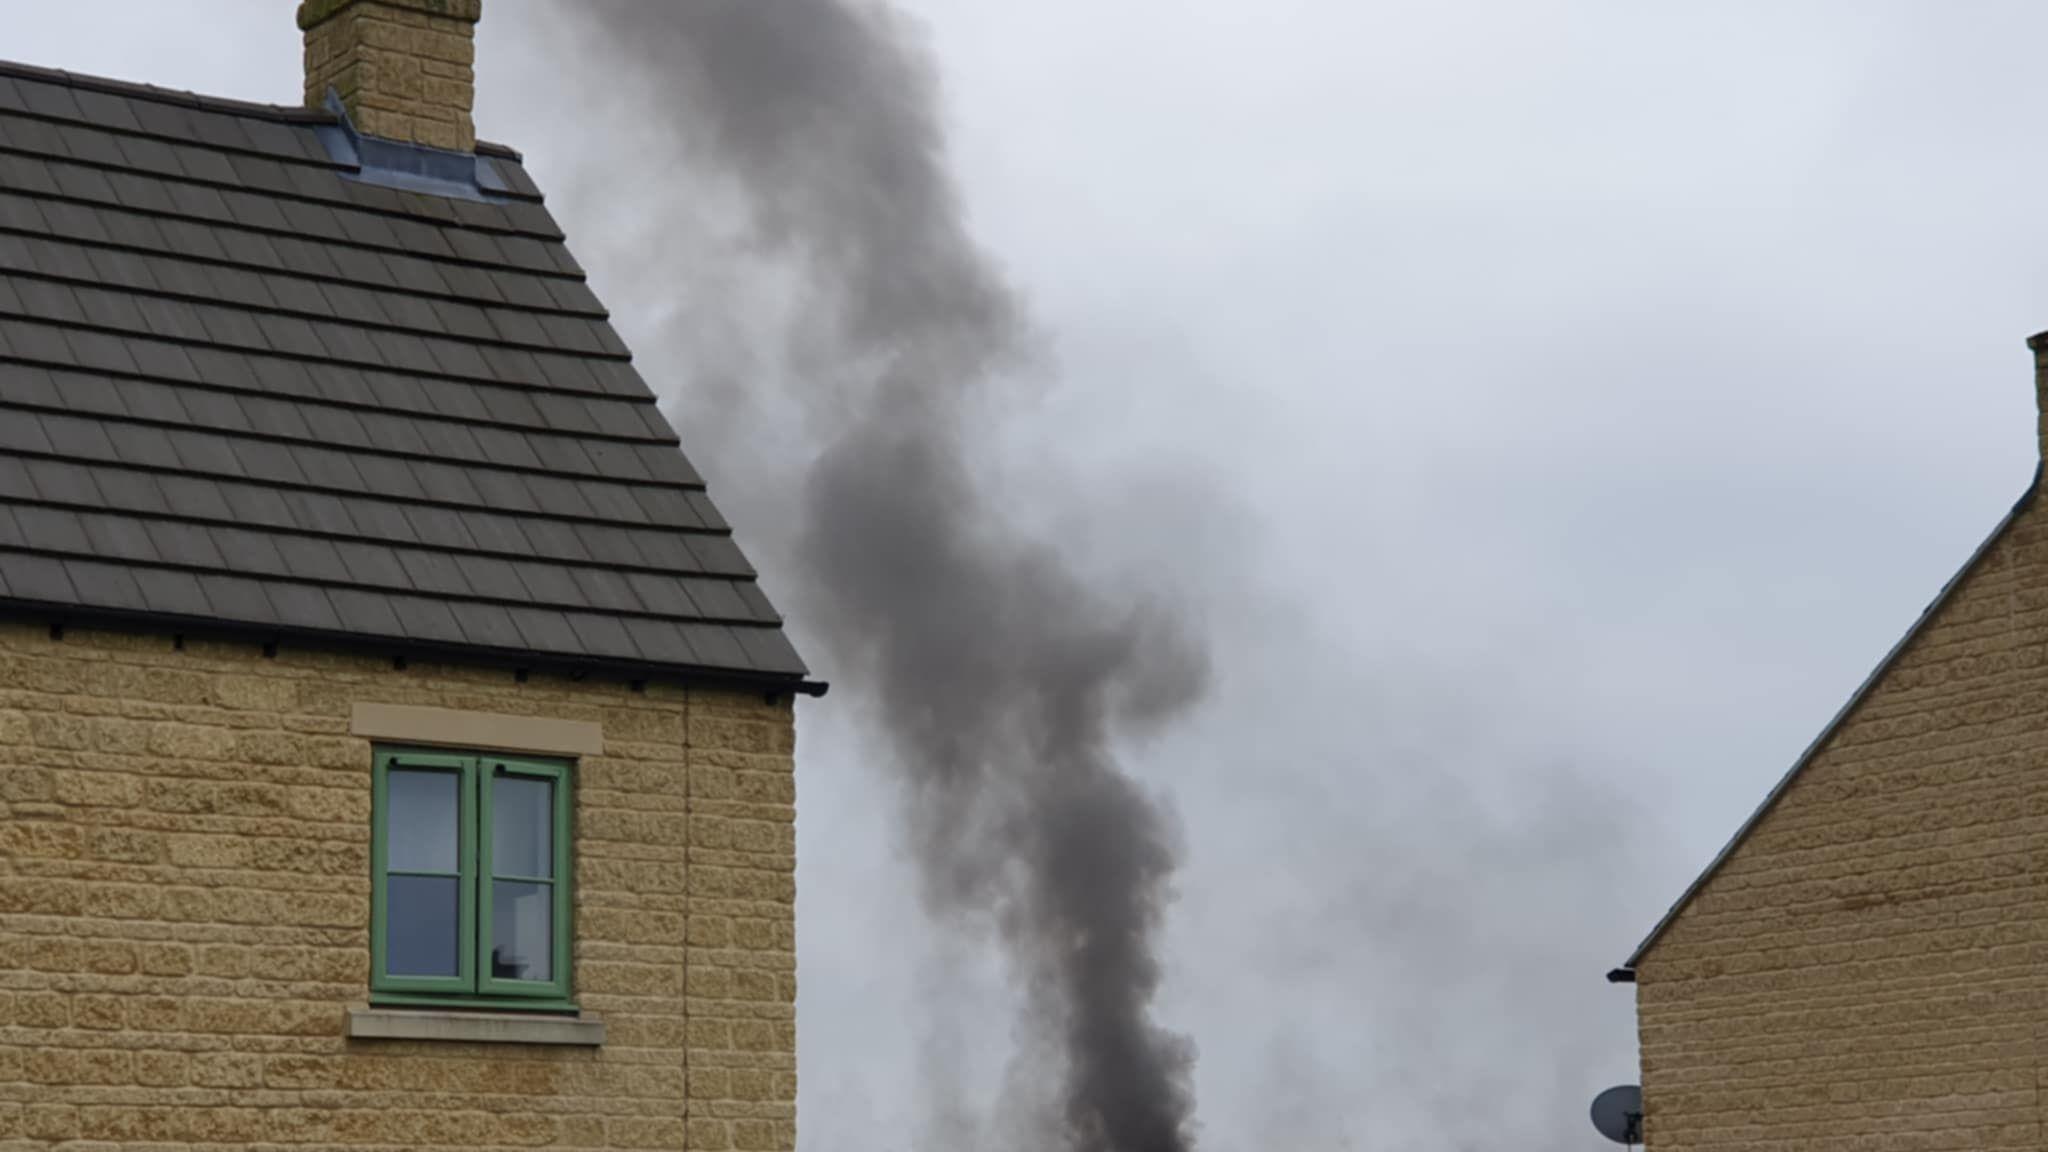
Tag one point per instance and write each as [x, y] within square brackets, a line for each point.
[2039, 344]
[402, 68]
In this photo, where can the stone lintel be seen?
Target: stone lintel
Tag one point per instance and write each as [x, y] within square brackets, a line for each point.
[476, 731]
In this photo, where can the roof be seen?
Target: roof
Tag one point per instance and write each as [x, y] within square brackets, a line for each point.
[1626, 973]
[248, 385]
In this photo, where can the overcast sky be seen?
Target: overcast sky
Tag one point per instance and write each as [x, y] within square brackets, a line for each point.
[1552, 410]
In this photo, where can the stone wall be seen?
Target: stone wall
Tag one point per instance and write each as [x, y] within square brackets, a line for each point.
[1866, 969]
[185, 901]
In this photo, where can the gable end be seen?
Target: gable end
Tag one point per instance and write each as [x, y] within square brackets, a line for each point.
[1626, 973]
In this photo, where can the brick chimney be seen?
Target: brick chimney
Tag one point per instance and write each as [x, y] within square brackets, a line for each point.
[402, 68]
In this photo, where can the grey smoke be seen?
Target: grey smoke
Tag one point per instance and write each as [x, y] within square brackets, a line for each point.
[1002, 676]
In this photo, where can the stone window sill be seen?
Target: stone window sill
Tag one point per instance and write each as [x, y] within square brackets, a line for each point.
[373, 1023]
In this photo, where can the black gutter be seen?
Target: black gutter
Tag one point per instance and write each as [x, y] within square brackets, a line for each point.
[631, 671]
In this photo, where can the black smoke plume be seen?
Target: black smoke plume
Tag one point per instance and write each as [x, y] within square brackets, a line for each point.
[1002, 677]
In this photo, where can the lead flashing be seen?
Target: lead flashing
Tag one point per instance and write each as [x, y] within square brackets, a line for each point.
[408, 167]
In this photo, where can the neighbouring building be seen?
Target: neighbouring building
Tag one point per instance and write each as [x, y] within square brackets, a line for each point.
[395, 749]
[1863, 965]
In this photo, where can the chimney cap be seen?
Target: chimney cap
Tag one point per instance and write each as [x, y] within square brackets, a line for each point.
[312, 12]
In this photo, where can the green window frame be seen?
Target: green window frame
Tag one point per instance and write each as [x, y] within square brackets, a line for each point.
[480, 978]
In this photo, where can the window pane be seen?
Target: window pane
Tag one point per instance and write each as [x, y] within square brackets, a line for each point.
[420, 828]
[522, 936]
[420, 926]
[523, 836]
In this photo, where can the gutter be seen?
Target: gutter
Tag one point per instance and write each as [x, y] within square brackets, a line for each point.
[400, 650]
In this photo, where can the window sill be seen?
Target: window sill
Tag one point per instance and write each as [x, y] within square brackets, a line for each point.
[374, 1023]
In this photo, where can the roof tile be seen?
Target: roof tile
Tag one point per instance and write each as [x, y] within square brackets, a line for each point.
[174, 593]
[430, 620]
[14, 481]
[105, 585]
[128, 491]
[663, 642]
[39, 579]
[243, 550]
[26, 174]
[77, 221]
[237, 598]
[253, 505]
[204, 164]
[122, 269]
[121, 538]
[31, 136]
[184, 544]
[436, 572]
[487, 625]
[321, 512]
[142, 446]
[196, 497]
[303, 606]
[100, 350]
[51, 529]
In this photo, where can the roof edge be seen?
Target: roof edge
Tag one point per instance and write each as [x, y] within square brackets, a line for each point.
[1626, 974]
[294, 113]
[625, 669]
[287, 113]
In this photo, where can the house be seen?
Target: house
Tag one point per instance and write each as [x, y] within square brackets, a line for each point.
[1863, 965]
[395, 749]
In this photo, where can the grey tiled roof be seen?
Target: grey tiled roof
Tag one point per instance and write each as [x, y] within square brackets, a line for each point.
[239, 388]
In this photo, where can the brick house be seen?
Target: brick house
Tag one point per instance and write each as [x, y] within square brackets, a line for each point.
[395, 749]
[1862, 965]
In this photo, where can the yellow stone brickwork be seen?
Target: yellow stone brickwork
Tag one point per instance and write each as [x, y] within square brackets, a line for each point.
[185, 901]
[404, 69]
[1866, 970]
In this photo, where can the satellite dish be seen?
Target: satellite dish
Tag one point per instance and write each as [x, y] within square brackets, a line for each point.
[1618, 1114]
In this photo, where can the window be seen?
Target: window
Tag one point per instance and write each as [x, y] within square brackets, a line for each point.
[469, 861]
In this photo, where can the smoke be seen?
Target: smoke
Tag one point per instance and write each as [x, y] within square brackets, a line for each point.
[1002, 675]
[1414, 861]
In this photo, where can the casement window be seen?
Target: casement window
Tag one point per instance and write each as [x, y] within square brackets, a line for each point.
[469, 861]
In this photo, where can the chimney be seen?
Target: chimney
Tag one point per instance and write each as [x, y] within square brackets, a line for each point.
[402, 68]
[2039, 344]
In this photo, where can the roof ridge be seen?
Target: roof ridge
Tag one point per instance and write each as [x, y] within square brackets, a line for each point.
[281, 113]
[291, 113]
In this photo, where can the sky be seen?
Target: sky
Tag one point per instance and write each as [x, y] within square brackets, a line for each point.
[1549, 410]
